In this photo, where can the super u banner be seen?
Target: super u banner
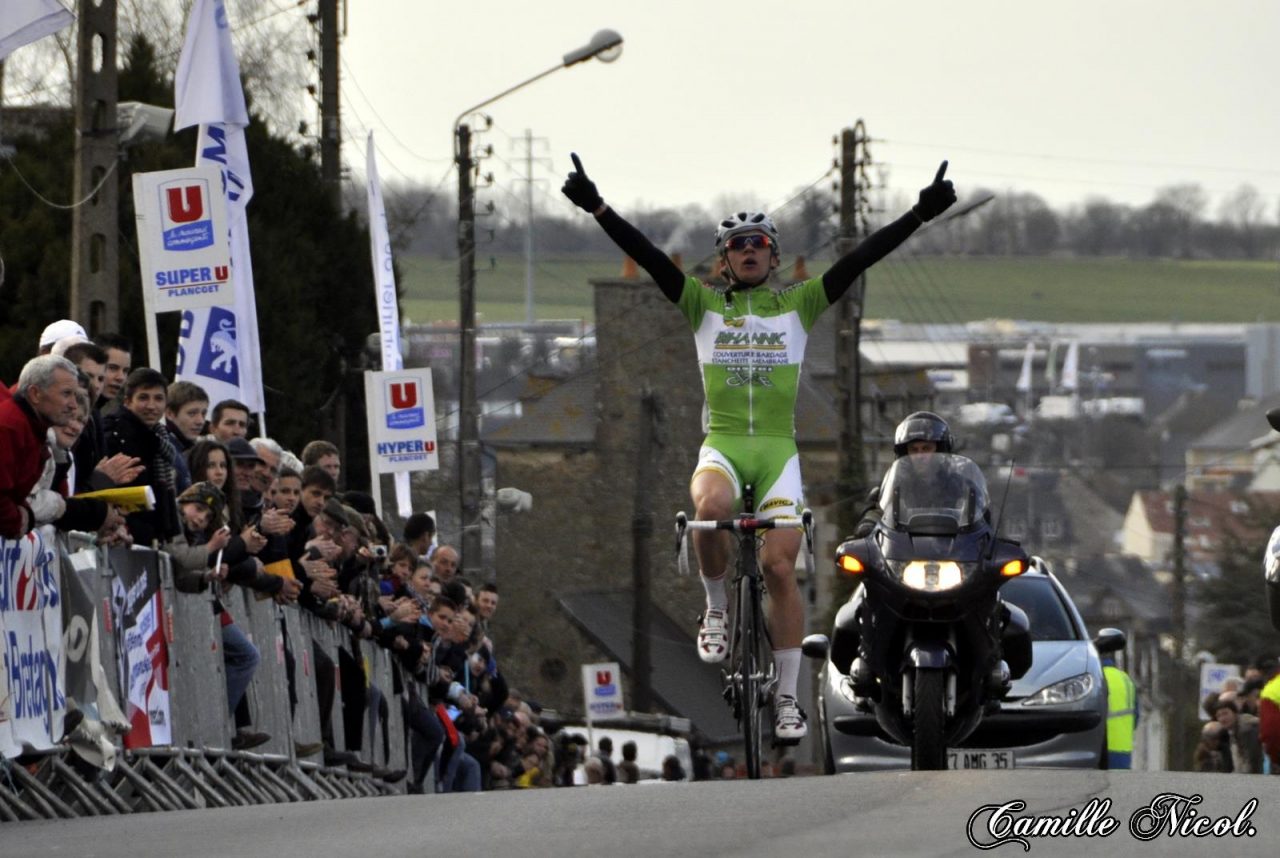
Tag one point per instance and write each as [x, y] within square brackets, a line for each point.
[182, 239]
[402, 421]
[32, 693]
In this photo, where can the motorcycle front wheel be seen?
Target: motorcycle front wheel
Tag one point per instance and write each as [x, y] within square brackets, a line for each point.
[928, 750]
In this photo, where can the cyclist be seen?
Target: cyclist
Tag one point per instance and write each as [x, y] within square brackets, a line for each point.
[750, 341]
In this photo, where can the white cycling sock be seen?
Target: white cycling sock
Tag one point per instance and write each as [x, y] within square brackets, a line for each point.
[787, 661]
[717, 595]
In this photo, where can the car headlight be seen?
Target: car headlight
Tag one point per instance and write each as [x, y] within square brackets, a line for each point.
[930, 575]
[1067, 691]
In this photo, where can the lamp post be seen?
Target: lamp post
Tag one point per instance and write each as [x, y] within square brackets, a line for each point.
[605, 45]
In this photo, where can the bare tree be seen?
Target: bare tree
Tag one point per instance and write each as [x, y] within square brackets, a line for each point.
[1244, 210]
[271, 44]
[1187, 202]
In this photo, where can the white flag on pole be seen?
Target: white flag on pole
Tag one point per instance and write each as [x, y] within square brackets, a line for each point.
[1024, 377]
[25, 21]
[1070, 368]
[206, 87]
[384, 286]
[218, 347]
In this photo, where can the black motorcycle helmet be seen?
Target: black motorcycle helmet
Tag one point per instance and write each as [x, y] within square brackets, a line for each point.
[921, 426]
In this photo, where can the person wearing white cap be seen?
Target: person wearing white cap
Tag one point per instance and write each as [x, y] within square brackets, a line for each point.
[56, 331]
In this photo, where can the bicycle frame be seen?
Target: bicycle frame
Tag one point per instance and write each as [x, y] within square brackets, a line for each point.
[749, 684]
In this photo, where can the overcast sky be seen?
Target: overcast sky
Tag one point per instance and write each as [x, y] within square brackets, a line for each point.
[713, 99]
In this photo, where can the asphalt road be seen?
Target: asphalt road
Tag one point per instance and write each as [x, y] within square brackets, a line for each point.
[900, 813]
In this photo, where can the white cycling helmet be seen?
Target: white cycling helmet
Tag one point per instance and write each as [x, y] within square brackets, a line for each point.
[736, 224]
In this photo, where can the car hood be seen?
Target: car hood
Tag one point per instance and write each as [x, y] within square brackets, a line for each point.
[1052, 661]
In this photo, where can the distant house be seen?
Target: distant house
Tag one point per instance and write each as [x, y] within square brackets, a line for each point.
[1149, 525]
[1224, 456]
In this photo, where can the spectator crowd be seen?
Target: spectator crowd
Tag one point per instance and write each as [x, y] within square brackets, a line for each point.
[1242, 734]
[238, 511]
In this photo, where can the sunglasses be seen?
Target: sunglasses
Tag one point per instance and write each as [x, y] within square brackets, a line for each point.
[742, 242]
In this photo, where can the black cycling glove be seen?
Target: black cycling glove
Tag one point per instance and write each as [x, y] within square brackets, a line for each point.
[935, 199]
[582, 192]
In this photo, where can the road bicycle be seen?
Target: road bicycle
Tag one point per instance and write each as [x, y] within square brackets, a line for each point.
[749, 679]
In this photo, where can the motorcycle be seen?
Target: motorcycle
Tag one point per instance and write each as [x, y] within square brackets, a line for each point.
[927, 642]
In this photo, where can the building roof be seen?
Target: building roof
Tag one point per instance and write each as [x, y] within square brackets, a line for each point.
[1237, 432]
[564, 415]
[681, 682]
[1210, 515]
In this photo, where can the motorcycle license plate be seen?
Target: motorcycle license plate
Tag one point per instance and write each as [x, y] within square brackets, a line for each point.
[962, 759]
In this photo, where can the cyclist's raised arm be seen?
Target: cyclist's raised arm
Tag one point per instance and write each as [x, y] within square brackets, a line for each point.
[934, 200]
[582, 192]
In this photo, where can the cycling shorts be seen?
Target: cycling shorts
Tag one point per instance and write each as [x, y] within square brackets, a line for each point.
[768, 462]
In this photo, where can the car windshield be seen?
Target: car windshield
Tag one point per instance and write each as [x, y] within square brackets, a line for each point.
[1043, 606]
[933, 493]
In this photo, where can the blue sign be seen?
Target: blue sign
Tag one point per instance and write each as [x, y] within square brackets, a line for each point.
[219, 353]
[404, 404]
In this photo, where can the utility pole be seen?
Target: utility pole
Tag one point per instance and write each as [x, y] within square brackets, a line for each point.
[854, 161]
[468, 408]
[641, 562]
[1178, 620]
[95, 256]
[529, 140]
[330, 121]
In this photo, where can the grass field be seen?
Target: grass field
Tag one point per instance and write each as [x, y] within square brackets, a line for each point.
[912, 289]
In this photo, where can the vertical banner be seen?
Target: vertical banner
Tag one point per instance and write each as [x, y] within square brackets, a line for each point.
[602, 691]
[402, 421]
[139, 616]
[384, 287]
[218, 347]
[32, 694]
[182, 239]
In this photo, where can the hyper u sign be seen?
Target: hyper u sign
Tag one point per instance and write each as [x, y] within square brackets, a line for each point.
[402, 421]
[182, 239]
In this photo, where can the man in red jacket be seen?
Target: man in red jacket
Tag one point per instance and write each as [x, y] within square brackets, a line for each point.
[46, 396]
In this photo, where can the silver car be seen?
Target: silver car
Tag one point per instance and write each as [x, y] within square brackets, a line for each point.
[1054, 716]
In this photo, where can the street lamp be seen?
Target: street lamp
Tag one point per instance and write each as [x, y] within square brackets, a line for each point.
[606, 45]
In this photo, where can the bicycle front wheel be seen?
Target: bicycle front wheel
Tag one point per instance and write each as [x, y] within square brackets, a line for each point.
[752, 663]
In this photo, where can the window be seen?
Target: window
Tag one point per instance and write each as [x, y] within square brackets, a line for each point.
[1044, 608]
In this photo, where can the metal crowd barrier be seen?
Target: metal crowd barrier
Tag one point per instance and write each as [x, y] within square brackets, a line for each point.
[197, 767]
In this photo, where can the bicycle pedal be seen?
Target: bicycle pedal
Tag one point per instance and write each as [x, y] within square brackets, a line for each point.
[785, 743]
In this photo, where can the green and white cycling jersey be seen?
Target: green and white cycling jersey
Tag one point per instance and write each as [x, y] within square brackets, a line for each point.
[750, 346]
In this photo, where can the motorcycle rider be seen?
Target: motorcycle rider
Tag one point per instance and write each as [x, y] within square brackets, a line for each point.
[918, 434]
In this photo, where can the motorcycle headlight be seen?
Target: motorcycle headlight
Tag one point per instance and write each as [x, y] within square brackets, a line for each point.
[1067, 691]
[930, 575]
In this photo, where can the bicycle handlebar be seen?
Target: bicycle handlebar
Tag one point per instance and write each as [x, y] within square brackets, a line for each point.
[747, 524]
[741, 524]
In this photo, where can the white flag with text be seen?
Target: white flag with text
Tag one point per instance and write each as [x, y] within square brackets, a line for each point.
[218, 347]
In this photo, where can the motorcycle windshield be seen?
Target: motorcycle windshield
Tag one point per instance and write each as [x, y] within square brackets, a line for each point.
[934, 493]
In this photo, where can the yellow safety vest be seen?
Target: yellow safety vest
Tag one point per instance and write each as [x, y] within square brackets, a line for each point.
[1121, 700]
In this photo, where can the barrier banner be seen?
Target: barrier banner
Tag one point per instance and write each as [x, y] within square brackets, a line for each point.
[138, 614]
[32, 698]
[85, 680]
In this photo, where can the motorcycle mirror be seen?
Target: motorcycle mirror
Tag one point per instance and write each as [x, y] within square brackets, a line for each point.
[1273, 418]
[815, 646]
[1109, 640]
